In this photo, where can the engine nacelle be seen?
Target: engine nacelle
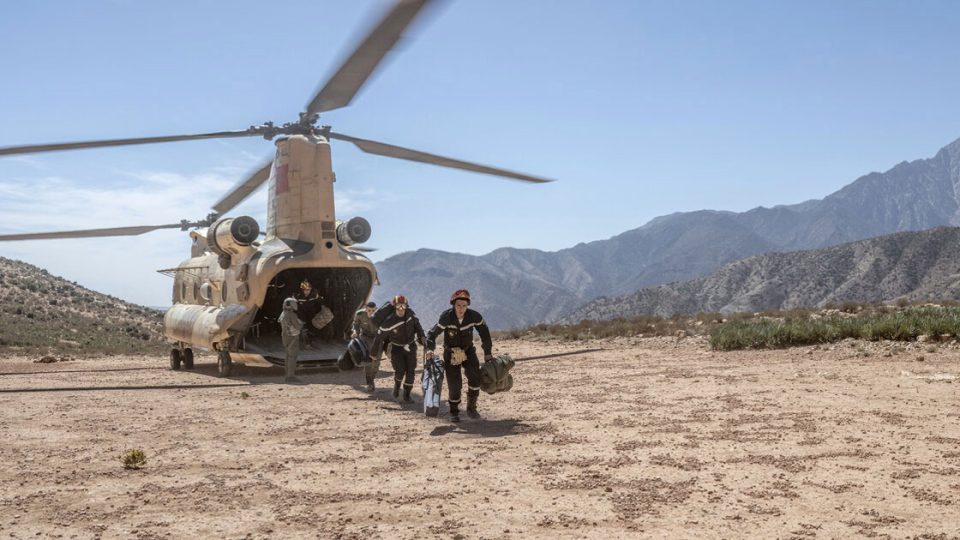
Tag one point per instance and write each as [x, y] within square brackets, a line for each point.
[228, 236]
[353, 231]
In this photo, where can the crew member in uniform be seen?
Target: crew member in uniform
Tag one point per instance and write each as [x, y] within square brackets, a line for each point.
[403, 331]
[311, 311]
[366, 331]
[290, 328]
[457, 325]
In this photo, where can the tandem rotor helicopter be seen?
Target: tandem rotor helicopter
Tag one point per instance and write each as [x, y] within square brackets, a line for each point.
[228, 295]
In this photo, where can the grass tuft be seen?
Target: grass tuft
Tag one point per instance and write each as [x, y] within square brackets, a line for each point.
[133, 459]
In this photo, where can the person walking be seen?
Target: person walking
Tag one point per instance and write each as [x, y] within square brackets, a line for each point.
[366, 332]
[290, 328]
[457, 325]
[402, 330]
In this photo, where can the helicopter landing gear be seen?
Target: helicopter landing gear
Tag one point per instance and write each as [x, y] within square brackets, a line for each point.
[224, 364]
[187, 356]
[175, 359]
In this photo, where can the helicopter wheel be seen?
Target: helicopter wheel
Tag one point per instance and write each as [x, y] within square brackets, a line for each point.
[187, 355]
[175, 359]
[224, 364]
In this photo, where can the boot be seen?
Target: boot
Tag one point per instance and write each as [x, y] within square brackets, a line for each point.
[472, 396]
[406, 394]
[370, 386]
[454, 412]
[396, 388]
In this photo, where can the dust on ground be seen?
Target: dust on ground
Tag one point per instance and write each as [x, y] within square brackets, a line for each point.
[646, 438]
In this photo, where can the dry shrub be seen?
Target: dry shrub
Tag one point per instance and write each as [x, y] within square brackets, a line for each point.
[133, 459]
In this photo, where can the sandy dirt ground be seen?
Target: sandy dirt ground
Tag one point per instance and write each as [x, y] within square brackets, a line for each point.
[646, 438]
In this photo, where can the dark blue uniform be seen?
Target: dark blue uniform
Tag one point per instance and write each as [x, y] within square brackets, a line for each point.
[458, 343]
[403, 334]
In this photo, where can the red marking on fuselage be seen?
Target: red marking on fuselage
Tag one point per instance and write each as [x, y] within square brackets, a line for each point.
[281, 174]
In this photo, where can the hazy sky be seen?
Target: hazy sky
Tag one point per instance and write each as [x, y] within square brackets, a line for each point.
[638, 108]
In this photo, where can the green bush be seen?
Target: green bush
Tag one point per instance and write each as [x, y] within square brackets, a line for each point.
[903, 325]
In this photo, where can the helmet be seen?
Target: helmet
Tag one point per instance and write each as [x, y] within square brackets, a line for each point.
[460, 294]
[290, 303]
[345, 362]
[305, 284]
[399, 300]
[359, 351]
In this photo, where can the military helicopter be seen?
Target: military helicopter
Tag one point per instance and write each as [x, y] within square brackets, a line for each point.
[228, 295]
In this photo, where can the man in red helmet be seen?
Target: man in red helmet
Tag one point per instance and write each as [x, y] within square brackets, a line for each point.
[402, 330]
[457, 325]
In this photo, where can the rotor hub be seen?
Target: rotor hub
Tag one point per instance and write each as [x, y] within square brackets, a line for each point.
[306, 125]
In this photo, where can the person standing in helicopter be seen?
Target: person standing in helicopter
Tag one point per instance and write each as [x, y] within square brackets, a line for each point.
[457, 325]
[403, 331]
[290, 328]
[366, 331]
[311, 311]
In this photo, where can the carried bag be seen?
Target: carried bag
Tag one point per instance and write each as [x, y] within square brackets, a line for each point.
[345, 362]
[495, 375]
[432, 382]
[322, 318]
[359, 352]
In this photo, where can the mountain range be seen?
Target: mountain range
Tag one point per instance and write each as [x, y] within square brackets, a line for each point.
[907, 266]
[519, 287]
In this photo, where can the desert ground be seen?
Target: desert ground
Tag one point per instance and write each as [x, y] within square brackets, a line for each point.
[652, 437]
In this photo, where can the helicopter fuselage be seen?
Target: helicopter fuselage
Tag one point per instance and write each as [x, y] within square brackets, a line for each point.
[228, 295]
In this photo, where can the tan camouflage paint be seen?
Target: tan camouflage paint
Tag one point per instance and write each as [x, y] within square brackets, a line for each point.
[300, 207]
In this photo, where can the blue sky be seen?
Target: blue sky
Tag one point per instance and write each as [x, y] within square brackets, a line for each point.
[639, 109]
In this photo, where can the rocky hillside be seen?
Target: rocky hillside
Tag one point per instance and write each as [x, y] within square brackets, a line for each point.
[910, 266]
[518, 287]
[41, 312]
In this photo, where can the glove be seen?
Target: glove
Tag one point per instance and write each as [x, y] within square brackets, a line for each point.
[487, 357]
[429, 355]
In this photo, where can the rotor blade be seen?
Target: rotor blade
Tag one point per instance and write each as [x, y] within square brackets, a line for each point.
[383, 149]
[32, 149]
[356, 69]
[89, 233]
[363, 249]
[243, 190]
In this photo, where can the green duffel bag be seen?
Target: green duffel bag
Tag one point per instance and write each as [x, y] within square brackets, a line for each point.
[495, 375]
